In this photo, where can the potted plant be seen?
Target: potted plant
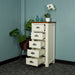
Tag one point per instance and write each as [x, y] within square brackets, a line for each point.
[47, 15]
[22, 39]
[16, 33]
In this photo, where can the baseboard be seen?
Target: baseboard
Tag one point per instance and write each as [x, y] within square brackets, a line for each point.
[65, 62]
[11, 60]
[24, 56]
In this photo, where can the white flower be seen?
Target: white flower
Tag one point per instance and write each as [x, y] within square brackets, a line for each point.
[50, 6]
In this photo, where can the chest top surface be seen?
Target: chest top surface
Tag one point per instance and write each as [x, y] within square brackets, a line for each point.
[43, 22]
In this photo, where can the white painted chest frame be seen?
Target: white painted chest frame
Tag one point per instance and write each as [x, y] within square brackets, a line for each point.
[42, 44]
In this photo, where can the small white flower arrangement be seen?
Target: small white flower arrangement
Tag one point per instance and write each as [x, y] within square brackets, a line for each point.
[49, 7]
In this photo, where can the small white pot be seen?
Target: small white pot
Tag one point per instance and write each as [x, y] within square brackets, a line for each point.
[47, 19]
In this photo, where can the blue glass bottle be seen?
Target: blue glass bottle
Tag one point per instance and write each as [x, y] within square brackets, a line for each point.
[37, 19]
[42, 20]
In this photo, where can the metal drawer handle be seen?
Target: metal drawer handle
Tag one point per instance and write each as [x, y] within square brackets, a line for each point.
[34, 44]
[31, 61]
[36, 35]
[38, 27]
[44, 24]
[32, 53]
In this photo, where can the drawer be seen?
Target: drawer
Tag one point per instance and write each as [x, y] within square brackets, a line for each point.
[38, 36]
[36, 44]
[38, 27]
[35, 53]
[35, 61]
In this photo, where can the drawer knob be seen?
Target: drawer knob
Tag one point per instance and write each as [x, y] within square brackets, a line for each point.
[32, 53]
[36, 35]
[38, 27]
[31, 61]
[34, 44]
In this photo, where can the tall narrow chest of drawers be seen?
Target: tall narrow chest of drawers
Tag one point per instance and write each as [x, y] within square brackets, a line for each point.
[42, 44]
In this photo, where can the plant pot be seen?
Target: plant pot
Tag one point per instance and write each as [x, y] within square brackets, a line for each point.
[25, 44]
[47, 19]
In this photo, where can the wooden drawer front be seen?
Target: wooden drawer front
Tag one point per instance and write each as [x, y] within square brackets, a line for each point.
[39, 36]
[38, 27]
[34, 61]
[36, 44]
[35, 53]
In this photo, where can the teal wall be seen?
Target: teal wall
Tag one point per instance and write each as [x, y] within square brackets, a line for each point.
[15, 13]
[10, 18]
[23, 20]
[23, 8]
[65, 24]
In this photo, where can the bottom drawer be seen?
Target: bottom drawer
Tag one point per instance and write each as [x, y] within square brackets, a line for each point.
[35, 61]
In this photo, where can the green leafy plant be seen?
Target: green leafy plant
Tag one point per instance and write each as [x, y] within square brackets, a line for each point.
[20, 37]
[28, 26]
[47, 15]
[16, 33]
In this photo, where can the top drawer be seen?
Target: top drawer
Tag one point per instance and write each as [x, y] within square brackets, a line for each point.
[38, 27]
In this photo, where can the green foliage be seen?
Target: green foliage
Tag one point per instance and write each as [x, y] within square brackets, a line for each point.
[16, 33]
[47, 15]
[21, 38]
[28, 25]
